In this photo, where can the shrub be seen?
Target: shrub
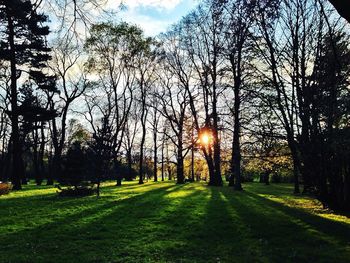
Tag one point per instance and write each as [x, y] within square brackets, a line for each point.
[84, 189]
[77, 176]
[73, 172]
[5, 188]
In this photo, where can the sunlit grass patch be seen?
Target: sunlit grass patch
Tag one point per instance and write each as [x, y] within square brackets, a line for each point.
[283, 194]
[165, 222]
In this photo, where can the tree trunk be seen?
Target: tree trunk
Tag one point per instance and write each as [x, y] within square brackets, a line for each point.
[119, 180]
[41, 153]
[155, 157]
[6, 161]
[192, 160]
[296, 176]
[180, 164]
[17, 172]
[141, 154]
[56, 169]
[267, 177]
[170, 176]
[232, 167]
[163, 160]
[236, 137]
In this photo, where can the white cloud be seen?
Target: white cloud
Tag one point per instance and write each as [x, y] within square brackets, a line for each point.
[160, 4]
[151, 26]
[153, 16]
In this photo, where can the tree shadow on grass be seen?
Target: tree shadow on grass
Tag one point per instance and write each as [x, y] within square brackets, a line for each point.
[290, 234]
[178, 223]
[210, 232]
[100, 221]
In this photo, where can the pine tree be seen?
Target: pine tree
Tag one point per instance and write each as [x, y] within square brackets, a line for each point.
[23, 47]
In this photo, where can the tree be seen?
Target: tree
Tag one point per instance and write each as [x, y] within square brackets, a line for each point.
[201, 39]
[237, 51]
[131, 131]
[119, 56]
[278, 96]
[102, 148]
[23, 46]
[154, 122]
[144, 64]
[342, 8]
[175, 82]
[71, 83]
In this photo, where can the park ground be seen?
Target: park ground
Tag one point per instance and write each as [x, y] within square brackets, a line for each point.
[164, 222]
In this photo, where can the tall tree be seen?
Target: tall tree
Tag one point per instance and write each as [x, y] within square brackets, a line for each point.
[145, 69]
[202, 41]
[237, 24]
[71, 83]
[23, 45]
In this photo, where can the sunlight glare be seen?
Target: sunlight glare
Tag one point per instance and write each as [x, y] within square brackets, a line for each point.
[205, 139]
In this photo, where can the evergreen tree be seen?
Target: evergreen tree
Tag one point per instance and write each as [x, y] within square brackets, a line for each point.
[23, 47]
[103, 151]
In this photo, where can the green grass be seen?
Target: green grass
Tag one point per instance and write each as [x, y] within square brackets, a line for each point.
[164, 222]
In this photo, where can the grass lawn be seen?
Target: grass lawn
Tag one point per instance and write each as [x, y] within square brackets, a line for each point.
[164, 222]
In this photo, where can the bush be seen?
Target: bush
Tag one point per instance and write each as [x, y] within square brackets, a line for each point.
[77, 176]
[76, 191]
[5, 188]
[75, 167]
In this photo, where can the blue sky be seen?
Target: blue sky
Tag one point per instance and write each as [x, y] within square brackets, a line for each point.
[155, 16]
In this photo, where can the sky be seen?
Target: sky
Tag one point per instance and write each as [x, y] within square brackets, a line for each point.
[154, 16]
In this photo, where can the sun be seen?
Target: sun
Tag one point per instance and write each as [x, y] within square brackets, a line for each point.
[205, 139]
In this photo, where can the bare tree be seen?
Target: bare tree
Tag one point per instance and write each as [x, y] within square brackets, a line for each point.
[238, 21]
[72, 84]
[203, 42]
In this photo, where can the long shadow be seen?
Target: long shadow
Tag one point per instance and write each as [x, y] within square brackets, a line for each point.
[21, 213]
[329, 227]
[168, 225]
[140, 231]
[210, 232]
[90, 223]
[290, 234]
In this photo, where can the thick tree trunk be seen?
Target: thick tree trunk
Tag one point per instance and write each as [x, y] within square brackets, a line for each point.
[17, 172]
[211, 174]
[296, 164]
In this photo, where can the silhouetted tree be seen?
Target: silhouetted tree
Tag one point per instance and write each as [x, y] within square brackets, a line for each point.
[23, 46]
